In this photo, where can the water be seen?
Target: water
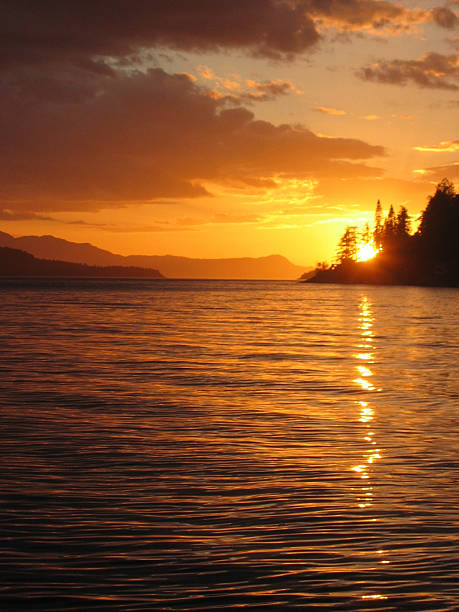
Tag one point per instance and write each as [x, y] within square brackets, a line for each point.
[206, 445]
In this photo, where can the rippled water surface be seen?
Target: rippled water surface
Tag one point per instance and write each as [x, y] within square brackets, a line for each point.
[206, 445]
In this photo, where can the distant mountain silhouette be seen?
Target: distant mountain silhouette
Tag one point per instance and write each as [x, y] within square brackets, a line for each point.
[49, 247]
[14, 262]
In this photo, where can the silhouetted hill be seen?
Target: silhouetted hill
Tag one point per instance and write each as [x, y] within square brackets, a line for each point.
[269, 267]
[49, 247]
[14, 262]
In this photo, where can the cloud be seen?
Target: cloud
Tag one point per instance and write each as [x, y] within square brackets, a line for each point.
[228, 84]
[438, 173]
[375, 17]
[444, 17]
[7, 214]
[75, 141]
[55, 31]
[446, 146]
[86, 34]
[330, 111]
[268, 90]
[433, 70]
[235, 89]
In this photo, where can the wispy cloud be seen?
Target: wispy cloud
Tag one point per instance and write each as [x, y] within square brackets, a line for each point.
[437, 173]
[433, 71]
[381, 18]
[236, 89]
[446, 146]
[6, 214]
[330, 111]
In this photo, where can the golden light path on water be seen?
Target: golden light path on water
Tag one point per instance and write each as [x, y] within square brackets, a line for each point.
[365, 355]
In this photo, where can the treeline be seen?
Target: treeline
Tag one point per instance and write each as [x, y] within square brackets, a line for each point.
[14, 262]
[428, 257]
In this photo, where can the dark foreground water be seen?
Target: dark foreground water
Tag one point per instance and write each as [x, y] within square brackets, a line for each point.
[170, 445]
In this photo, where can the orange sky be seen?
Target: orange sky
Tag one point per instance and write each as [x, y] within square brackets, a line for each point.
[213, 129]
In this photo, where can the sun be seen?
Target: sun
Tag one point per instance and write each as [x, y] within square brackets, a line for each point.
[366, 251]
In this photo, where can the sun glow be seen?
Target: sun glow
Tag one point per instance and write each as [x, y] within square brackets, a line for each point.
[366, 251]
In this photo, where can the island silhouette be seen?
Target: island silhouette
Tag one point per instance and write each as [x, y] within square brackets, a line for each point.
[428, 257]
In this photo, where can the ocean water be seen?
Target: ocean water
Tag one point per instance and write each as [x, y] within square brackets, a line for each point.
[215, 445]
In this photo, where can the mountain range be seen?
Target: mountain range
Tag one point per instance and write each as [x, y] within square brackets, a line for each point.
[171, 266]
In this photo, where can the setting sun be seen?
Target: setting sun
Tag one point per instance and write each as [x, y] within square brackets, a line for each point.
[366, 252]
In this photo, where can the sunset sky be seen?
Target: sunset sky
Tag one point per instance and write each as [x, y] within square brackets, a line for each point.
[223, 128]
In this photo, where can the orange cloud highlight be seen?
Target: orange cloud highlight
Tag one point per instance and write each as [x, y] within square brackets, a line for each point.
[237, 89]
[445, 146]
[330, 111]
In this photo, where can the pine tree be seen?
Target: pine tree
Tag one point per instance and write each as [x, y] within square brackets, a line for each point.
[403, 223]
[365, 235]
[389, 229]
[378, 231]
[438, 230]
[347, 246]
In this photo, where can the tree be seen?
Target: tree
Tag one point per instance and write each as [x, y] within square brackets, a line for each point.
[389, 230]
[377, 234]
[403, 223]
[430, 257]
[365, 235]
[438, 231]
[347, 246]
[389, 222]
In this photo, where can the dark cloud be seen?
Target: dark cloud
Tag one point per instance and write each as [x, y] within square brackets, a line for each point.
[444, 17]
[354, 14]
[52, 30]
[133, 138]
[87, 32]
[434, 71]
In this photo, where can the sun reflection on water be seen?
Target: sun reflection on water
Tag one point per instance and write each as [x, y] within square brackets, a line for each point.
[366, 416]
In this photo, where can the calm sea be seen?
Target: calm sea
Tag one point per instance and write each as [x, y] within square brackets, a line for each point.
[213, 445]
